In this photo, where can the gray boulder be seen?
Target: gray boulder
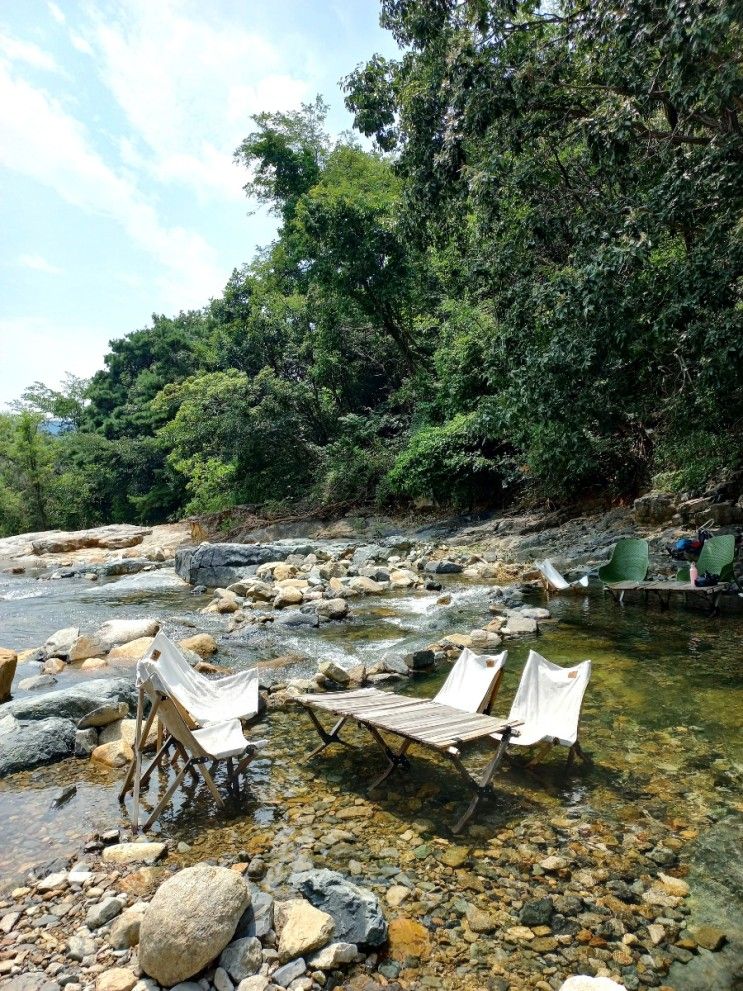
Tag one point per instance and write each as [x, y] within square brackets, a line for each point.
[216, 565]
[28, 744]
[72, 702]
[357, 913]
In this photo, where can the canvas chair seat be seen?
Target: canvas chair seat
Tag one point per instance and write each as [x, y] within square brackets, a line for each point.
[221, 740]
[555, 580]
[548, 702]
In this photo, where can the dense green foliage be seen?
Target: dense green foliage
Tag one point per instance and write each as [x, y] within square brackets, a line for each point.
[533, 285]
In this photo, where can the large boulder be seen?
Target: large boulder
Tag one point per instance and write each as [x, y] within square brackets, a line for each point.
[655, 507]
[8, 662]
[60, 643]
[115, 632]
[188, 923]
[357, 913]
[221, 564]
[72, 702]
[28, 744]
[113, 537]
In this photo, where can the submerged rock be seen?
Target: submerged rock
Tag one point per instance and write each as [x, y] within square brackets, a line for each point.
[25, 744]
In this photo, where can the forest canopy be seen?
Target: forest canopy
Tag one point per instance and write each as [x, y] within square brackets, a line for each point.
[526, 283]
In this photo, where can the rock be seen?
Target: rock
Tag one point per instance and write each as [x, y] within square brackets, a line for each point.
[124, 931]
[115, 632]
[55, 665]
[98, 915]
[34, 981]
[552, 864]
[243, 958]
[8, 663]
[455, 856]
[221, 980]
[288, 596]
[710, 938]
[134, 853]
[26, 744]
[115, 536]
[655, 507]
[480, 921]
[301, 928]
[259, 982]
[202, 644]
[117, 753]
[396, 895]
[584, 983]
[357, 912]
[116, 979]
[36, 682]
[673, 885]
[517, 625]
[331, 608]
[393, 665]
[130, 653]
[295, 617]
[367, 585]
[104, 715]
[221, 564]
[60, 643]
[444, 567]
[75, 701]
[284, 976]
[80, 946]
[124, 730]
[85, 647]
[333, 956]
[257, 920]
[191, 919]
[420, 660]
[334, 672]
[408, 938]
[537, 912]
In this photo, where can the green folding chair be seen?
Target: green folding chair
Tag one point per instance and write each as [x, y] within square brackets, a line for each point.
[717, 557]
[629, 562]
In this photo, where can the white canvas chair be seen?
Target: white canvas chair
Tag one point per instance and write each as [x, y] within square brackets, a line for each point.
[556, 582]
[473, 681]
[548, 704]
[215, 742]
[206, 700]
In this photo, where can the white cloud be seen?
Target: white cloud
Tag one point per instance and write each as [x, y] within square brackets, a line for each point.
[39, 264]
[36, 349]
[188, 87]
[56, 13]
[41, 140]
[27, 52]
[80, 44]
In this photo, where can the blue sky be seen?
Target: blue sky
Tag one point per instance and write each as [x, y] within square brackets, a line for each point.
[118, 119]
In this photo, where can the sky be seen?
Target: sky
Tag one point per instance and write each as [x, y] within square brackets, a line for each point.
[119, 197]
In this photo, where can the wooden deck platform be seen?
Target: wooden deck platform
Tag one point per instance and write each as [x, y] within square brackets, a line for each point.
[665, 589]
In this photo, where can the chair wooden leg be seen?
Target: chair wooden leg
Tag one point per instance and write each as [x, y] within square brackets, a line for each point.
[478, 784]
[140, 734]
[394, 760]
[540, 753]
[165, 800]
[326, 737]
[210, 784]
[157, 760]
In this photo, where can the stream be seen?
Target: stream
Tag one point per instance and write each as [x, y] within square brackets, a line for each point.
[661, 719]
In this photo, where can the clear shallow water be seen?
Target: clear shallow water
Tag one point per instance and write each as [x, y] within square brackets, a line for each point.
[662, 719]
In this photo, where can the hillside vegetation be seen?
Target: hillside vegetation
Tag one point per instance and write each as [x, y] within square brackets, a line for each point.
[531, 285]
